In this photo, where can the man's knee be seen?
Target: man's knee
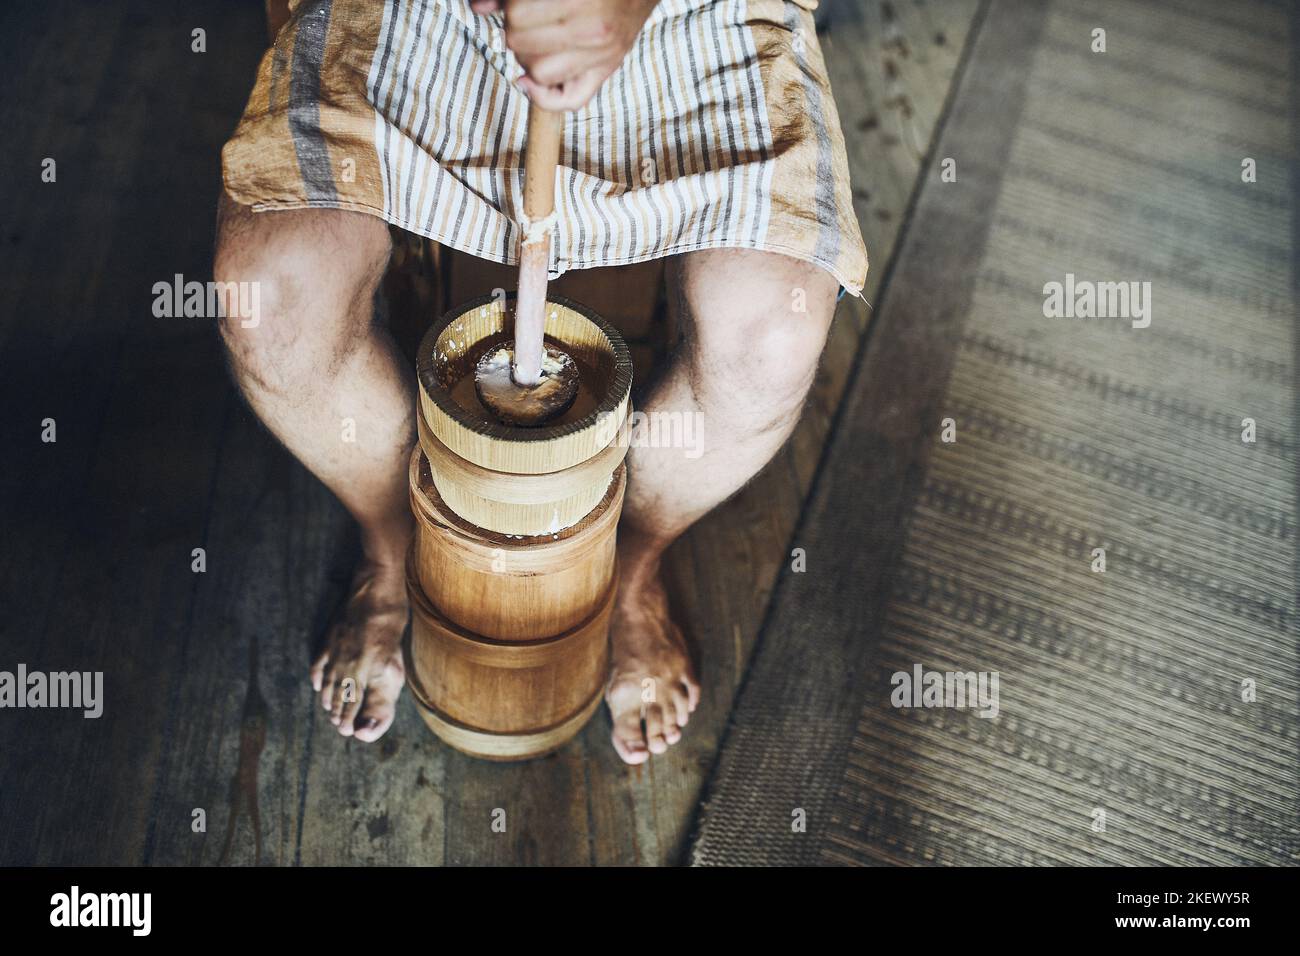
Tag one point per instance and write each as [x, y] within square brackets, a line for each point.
[761, 344]
[292, 293]
[782, 348]
[263, 323]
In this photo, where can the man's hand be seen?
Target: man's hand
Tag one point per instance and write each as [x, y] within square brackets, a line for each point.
[568, 48]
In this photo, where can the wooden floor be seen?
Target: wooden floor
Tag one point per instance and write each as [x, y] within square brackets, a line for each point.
[207, 706]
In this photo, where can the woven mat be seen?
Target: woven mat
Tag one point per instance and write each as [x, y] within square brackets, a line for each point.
[1147, 713]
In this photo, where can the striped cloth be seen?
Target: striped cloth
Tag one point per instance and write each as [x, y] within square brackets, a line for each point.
[718, 130]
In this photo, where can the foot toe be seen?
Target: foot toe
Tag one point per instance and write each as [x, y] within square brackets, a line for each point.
[328, 683]
[352, 697]
[692, 693]
[338, 700]
[379, 711]
[628, 738]
[681, 707]
[672, 733]
[630, 751]
[654, 729]
[318, 671]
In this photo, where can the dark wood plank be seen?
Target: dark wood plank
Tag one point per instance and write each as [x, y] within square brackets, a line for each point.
[108, 515]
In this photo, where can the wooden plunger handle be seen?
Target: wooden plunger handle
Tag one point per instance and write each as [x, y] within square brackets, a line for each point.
[541, 157]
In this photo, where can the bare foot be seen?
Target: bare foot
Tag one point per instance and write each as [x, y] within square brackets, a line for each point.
[652, 689]
[360, 675]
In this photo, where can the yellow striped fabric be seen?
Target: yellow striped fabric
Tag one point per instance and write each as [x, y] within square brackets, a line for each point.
[719, 130]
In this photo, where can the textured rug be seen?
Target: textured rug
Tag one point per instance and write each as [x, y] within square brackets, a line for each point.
[1098, 510]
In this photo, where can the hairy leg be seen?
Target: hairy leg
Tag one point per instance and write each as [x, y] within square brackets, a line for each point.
[754, 324]
[331, 385]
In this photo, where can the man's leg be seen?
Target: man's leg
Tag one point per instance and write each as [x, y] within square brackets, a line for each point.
[754, 324]
[333, 388]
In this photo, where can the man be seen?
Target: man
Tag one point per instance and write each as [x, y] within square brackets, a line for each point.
[700, 130]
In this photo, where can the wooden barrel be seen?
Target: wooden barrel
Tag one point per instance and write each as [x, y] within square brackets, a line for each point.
[522, 481]
[504, 700]
[512, 570]
[509, 588]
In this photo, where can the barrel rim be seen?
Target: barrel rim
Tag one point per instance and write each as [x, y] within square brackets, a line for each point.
[523, 488]
[609, 404]
[438, 517]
